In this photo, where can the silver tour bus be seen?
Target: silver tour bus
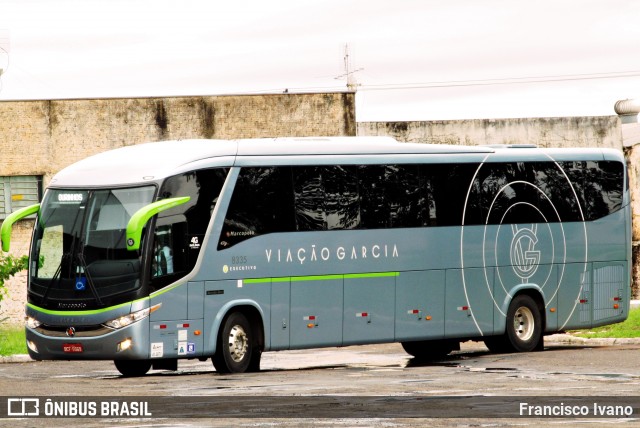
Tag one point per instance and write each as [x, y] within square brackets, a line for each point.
[225, 249]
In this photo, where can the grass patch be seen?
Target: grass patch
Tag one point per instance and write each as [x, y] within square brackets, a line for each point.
[12, 341]
[628, 328]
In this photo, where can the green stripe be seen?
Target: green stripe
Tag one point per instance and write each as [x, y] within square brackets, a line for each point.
[80, 313]
[165, 289]
[372, 275]
[321, 277]
[246, 281]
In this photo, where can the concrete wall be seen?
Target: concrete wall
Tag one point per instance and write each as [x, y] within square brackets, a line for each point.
[632, 154]
[42, 137]
[600, 131]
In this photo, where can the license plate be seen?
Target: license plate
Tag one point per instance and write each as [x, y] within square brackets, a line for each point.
[72, 348]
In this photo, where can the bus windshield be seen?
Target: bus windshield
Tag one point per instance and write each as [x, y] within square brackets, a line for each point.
[79, 255]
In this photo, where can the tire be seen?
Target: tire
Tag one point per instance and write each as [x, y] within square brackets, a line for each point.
[429, 350]
[237, 350]
[524, 328]
[133, 368]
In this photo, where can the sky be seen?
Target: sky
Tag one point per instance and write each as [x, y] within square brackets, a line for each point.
[410, 60]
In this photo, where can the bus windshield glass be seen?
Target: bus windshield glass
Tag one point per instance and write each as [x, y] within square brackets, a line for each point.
[79, 255]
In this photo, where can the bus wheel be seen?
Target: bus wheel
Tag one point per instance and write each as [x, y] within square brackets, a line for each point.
[524, 328]
[133, 368]
[430, 349]
[236, 351]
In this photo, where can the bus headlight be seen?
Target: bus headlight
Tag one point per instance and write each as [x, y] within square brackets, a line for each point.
[32, 323]
[129, 319]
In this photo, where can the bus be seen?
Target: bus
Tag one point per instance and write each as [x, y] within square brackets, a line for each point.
[225, 249]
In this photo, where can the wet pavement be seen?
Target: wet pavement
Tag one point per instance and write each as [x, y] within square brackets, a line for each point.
[582, 371]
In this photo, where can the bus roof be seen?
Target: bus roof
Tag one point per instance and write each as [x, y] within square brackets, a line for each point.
[151, 162]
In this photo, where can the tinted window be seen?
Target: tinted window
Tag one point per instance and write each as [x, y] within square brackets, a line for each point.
[262, 202]
[341, 196]
[396, 196]
[406, 196]
[309, 198]
[375, 212]
[511, 195]
[557, 196]
[603, 183]
[452, 197]
[313, 198]
[179, 232]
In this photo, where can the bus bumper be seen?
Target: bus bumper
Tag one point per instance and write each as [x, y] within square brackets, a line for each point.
[128, 343]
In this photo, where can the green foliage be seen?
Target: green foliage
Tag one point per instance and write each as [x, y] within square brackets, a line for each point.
[629, 328]
[9, 266]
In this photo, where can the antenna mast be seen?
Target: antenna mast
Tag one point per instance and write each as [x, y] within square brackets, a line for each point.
[349, 74]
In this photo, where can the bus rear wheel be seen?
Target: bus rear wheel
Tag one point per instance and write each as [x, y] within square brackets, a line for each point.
[133, 368]
[524, 328]
[430, 349]
[236, 351]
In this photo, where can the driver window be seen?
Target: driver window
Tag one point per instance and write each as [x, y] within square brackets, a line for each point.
[162, 263]
[180, 231]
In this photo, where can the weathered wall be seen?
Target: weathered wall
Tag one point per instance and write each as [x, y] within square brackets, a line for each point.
[599, 131]
[42, 137]
[12, 306]
[633, 164]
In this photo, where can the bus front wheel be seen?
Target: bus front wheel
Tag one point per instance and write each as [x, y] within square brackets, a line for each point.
[236, 351]
[524, 328]
[133, 368]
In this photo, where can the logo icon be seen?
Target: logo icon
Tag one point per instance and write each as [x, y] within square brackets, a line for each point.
[525, 259]
[71, 331]
[23, 407]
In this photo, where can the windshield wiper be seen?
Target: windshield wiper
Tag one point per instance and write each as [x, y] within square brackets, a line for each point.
[85, 270]
[57, 276]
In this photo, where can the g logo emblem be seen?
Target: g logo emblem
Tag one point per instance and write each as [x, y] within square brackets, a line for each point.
[525, 259]
[531, 231]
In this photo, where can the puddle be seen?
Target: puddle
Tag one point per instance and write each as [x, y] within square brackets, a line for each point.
[492, 369]
[611, 375]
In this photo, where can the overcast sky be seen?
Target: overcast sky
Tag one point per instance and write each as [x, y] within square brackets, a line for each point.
[413, 60]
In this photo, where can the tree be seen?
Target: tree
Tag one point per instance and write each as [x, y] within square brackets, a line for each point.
[9, 266]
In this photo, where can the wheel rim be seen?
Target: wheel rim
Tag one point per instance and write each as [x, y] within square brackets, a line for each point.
[524, 323]
[238, 343]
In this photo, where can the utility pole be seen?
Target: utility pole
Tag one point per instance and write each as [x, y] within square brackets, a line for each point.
[349, 74]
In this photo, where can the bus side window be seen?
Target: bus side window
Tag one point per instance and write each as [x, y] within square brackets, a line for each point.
[262, 202]
[162, 263]
[603, 183]
[179, 231]
[374, 209]
[309, 198]
[342, 201]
